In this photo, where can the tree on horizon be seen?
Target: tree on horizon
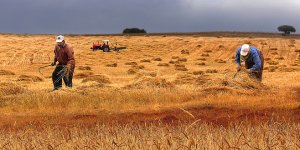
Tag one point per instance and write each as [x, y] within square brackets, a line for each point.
[287, 29]
[134, 30]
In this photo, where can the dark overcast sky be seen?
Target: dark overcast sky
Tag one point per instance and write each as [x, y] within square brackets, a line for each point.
[112, 16]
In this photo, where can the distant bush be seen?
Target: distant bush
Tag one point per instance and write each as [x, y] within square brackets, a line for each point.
[287, 29]
[134, 30]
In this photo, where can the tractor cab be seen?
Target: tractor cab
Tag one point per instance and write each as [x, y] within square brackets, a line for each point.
[105, 46]
[105, 42]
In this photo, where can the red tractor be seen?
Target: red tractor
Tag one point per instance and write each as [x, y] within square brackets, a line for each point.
[104, 46]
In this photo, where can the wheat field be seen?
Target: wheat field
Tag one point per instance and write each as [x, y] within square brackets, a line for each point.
[161, 92]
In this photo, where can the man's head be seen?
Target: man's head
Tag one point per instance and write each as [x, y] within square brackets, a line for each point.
[245, 50]
[60, 40]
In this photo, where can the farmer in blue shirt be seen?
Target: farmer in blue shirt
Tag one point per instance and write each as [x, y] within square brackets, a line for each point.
[253, 58]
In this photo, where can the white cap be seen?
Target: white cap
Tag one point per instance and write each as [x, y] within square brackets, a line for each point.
[60, 38]
[245, 49]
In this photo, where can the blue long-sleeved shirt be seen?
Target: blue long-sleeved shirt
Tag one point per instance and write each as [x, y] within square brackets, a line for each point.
[253, 61]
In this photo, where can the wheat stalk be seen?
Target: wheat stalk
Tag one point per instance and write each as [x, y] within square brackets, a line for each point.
[187, 112]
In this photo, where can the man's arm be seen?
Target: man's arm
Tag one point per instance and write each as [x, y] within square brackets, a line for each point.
[70, 54]
[54, 59]
[71, 60]
[257, 63]
[237, 56]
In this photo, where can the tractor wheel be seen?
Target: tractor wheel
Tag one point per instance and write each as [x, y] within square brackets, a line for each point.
[105, 49]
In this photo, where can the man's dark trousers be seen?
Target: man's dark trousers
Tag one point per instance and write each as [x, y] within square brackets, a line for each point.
[57, 73]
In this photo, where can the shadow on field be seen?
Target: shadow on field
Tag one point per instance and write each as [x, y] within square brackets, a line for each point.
[202, 114]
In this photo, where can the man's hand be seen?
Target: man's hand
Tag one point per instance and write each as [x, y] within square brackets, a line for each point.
[239, 68]
[69, 67]
[53, 64]
[249, 71]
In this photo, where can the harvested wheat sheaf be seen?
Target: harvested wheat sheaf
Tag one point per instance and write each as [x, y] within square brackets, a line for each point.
[84, 68]
[205, 55]
[83, 75]
[131, 63]
[6, 72]
[182, 59]
[156, 82]
[102, 79]
[174, 62]
[208, 51]
[273, 63]
[10, 88]
[271, 68]
[280, 58]
[220, 61]
[201, 64]
[175, 57]
[163, 64]
[198, 72]
[145, 60]
[211, 71]
[241, 83]
[202, 59]
[185, 51]
[157, 59]
[132, 71]
[180, 67]
[31, 78]
[112, 65]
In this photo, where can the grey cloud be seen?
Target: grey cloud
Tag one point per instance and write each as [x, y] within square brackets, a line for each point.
[103, 16]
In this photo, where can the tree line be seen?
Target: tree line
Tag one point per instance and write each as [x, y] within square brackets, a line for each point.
[286, 29]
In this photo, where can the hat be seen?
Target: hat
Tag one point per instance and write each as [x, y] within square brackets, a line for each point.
[59, 38]
[245, 49]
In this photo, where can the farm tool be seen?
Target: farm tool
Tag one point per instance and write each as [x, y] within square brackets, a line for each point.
[43, 68]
